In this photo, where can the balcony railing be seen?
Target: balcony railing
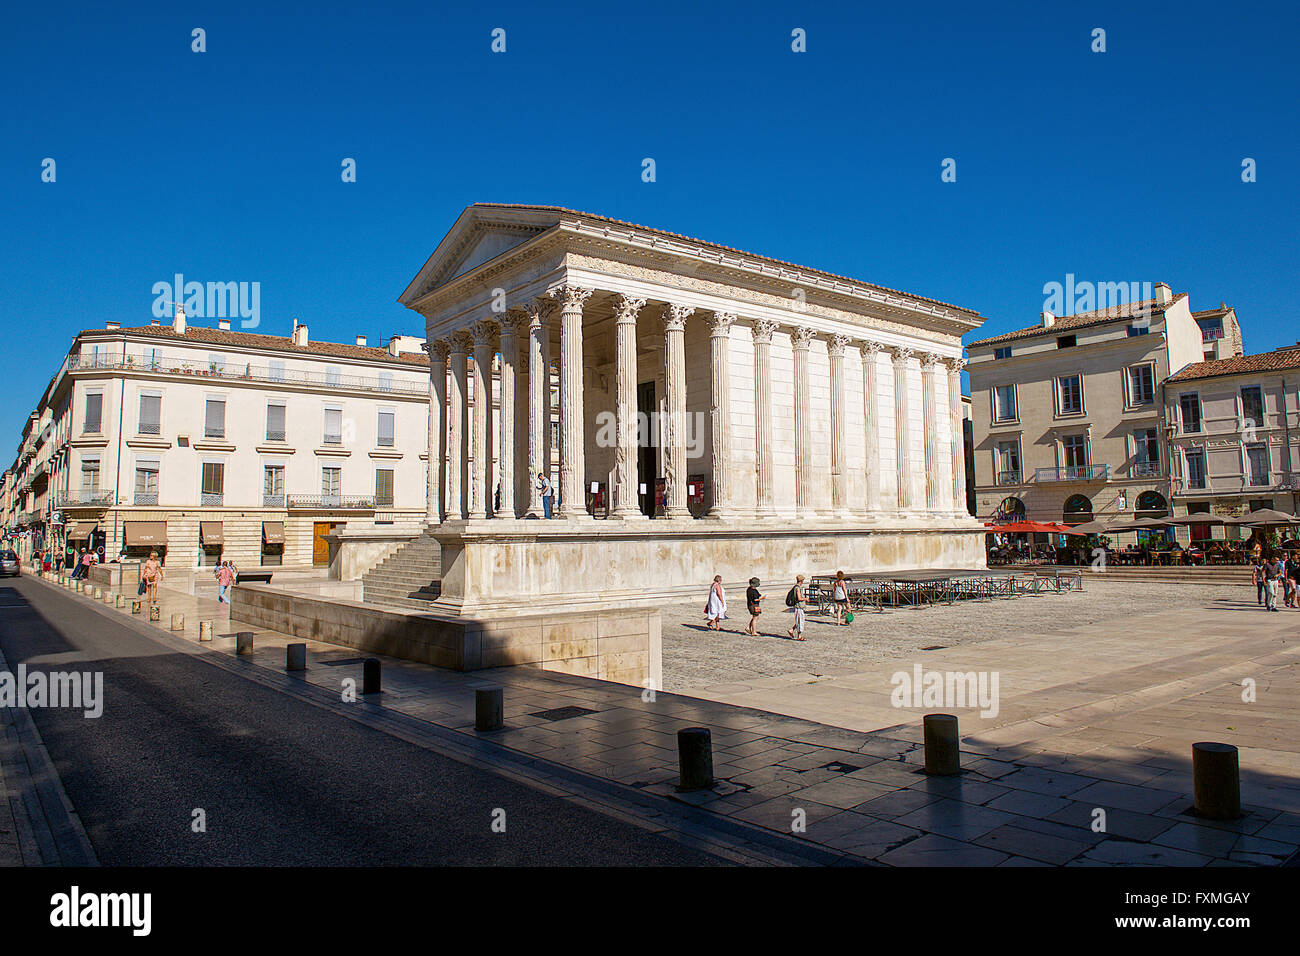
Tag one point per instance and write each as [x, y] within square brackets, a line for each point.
[1073, 473]
[342, 502]
[211, 499]
[87, 497]
[272, 501]
[1145, 469]
[275, 434]
[145, 499]
[1009, 477]
[176, 365]
[150, 428]
[1257, 480]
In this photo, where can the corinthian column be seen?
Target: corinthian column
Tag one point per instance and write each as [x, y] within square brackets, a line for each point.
[674, 317]
[871, 424]
[510, 323]
[625, 499]
[720, 412]
[762, 331]
[458, 433]
[956, 421]
[936, 483]
[839, 452]
[573, 472]
[481, 479]
[902, 431]
[800, 339]
[437, 429]
[539, 399]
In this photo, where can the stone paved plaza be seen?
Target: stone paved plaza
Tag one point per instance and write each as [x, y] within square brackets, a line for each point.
[1093, 716]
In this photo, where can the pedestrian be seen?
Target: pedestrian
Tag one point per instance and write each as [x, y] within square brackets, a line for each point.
[151, 574]
[1272, 574]
[754, 604]
[87, 559]
[1293, 578]
[1257, 575]
[547, 493]
[716, 607]
[840, 597]
[795, 600]
[225, 577]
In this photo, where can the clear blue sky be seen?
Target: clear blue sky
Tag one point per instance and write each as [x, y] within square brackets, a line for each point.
[225, 165]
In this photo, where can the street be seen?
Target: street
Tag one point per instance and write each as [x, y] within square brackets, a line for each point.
[278, 781]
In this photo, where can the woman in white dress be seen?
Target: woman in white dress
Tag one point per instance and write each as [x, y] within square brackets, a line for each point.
[716, 609]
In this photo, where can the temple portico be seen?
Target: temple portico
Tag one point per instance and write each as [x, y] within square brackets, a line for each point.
[717, 412]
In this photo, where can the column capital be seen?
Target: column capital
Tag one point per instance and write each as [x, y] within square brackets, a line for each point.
[870, 348]
[626, 308]
[900, 354]
[438, 349]
[956, 365]
[838, 343]
[762, 330]
[801, 337]
[569, 296]
[484, 333]
[932, 360]
[513, 321]
[462, 342]
[721, 322]
[539, 310]
[675, 316]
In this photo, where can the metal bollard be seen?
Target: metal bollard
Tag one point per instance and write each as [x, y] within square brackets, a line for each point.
[135, 607]
[1216, 781]
[370, 676]
[109, 596]
[489, 708]
[155, 613]
[119, 601]
[205, 631]
[695, 758]
[295, 657]
[178, 622]
[244, 643]
[96, 594]
[942, 745]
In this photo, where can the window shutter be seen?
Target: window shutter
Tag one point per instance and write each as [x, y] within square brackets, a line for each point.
[275, 423]
[385, 428]
[214, 424]
[94, 411]
[384, 486]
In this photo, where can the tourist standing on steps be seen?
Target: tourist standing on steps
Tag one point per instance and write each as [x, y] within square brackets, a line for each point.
[716, 608]
[795, 600]
[152, 574]
[548, 493]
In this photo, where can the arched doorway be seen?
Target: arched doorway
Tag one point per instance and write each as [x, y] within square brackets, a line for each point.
[1011, 509]
[1078, 509]
[1151, 504]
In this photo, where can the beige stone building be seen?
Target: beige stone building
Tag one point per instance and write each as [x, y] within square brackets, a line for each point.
[718, 413]
[1235, 434]
[1067, 417]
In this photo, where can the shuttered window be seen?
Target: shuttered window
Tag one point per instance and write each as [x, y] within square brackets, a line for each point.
[214, 418]
[150, 414]
[383, 487]
[94, 412]
[214, 478]
[385, 429]
[331, 482]
[275, 423]
[333, 426]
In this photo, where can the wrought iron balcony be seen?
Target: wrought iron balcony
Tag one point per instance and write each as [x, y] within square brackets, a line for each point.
[211, 500]
[337, 502]
[1010, 477]
[1145, 469]
[150, 428]
[273, 501]
[86, 497]
[145, 499]
[1073, 473]
[275, 434]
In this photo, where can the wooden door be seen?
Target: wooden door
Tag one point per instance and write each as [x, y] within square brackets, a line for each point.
[320, 548]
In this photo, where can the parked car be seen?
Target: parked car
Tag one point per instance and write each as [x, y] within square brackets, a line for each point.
[9, 564]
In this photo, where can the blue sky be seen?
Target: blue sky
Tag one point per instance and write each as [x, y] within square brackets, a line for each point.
[225, 165]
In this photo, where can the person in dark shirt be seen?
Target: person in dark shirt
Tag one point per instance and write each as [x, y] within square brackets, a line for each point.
[754, 602]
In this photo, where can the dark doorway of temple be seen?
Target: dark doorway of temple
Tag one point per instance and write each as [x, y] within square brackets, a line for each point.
[647, 452]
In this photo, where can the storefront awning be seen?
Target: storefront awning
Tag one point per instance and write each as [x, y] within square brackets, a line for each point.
[143, 534]
[210, 532]
[80, 530]
[273, 532]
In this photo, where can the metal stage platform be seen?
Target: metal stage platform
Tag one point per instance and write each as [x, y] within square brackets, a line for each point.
[877, 590]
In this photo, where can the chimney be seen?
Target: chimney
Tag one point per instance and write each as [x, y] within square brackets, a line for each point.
[1164, 295]
[361, 340]
[1048, 320]
[110, 324]
[1223, 306]
[393, 347]
[299, 334]
[223, 325]
[178, 326]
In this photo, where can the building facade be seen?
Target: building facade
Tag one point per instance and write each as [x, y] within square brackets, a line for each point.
[211, 444]
[1067, 416]
[718, 412]
[1234, 427]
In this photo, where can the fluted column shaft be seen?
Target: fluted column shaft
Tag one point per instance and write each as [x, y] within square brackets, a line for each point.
[481, 478]
[903, 431]
[839, 444]
[572, 422]
[675, 399]
[539, 401]
[523, 480]
[458, 432]
[871, 425]
[936, 484]
[720, 412]
[510, 324]
[956, 421]
[437, 430]
[766, 497]
[625, 424]
[800, 341]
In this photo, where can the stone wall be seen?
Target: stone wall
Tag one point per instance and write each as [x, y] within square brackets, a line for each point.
[619, 645]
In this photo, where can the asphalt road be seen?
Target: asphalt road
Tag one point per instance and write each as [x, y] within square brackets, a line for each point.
[281, 782]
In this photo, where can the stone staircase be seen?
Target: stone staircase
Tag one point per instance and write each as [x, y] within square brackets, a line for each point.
[410, 577]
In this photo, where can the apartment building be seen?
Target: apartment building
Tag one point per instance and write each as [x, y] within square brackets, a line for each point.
[209, 444]
[1220, 333]
[1068, 421]
[1234, 426]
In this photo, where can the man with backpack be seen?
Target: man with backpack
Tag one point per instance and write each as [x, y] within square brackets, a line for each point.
[796, 599]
